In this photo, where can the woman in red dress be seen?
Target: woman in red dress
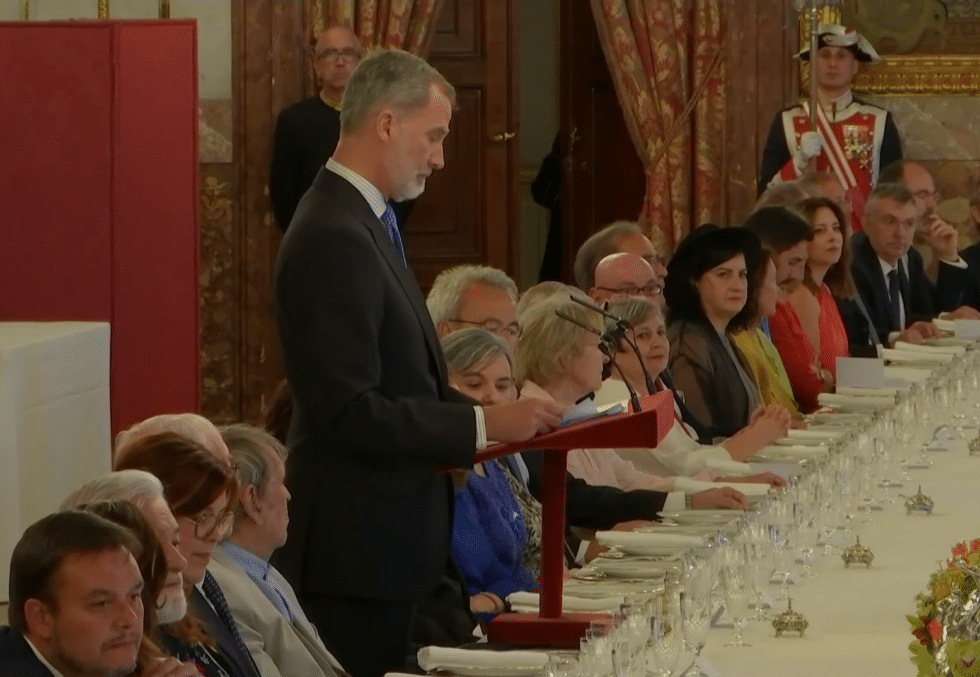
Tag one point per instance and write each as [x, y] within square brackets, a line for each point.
[807, 329]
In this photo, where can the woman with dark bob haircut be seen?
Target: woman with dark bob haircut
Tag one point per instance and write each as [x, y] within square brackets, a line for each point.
[710, 282]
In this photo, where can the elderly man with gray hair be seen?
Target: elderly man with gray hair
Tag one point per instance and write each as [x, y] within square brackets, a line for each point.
[145, 492]
[194, 427]
[474, 296]
[271, 621]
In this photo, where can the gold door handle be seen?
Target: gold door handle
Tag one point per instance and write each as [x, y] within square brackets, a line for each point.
[506, 136]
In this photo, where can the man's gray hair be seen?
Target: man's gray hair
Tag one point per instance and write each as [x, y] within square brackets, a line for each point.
[389, 77]
[599, 246]
[134, 486]
[249, 447]
[449, 285]
[473, 347]
[890, 191]
[194, 427]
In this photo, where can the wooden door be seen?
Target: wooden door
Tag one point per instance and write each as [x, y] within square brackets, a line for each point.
[468, 212]
[603, 179]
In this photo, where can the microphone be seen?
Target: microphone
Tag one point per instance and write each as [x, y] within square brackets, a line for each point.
[620, 332]
[609, 350]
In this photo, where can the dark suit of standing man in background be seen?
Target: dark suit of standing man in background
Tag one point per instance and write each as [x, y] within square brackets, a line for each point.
[375, 422]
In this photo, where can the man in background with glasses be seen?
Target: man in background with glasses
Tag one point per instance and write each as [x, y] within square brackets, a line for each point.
[307, 132]
[623, 276]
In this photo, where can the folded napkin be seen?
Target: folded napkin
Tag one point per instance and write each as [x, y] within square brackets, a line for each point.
[908, 374]
[690, 486]
[920, 348]
[866, 392]
[777, 450]
[648, 538]
[437, 657]
[864, 401]
[812, 434]
[529, 601]
[945, 325]
[893, 355]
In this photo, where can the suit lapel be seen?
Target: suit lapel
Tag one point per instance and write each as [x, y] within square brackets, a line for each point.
[905, 287]
[880, 297]
[240, 665]
[361, 210]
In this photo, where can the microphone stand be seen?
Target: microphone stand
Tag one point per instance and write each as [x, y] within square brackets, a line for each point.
[609, 352]
[621, 331]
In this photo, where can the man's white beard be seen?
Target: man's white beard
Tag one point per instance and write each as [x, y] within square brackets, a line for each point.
[410, 191]
[174, 608]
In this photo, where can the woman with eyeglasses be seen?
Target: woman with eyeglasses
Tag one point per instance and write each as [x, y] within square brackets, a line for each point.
[200, 491]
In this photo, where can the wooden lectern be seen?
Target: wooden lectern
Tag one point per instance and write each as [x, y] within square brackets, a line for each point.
[99, 194]
[646, 428]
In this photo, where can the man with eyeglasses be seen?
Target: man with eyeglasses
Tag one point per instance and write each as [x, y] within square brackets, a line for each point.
[475, 296]
[622, 276]
[307, 132]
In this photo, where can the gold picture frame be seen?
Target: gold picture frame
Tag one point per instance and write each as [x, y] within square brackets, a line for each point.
[895, 75]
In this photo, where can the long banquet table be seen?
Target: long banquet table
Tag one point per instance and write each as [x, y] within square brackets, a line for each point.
[857, 615]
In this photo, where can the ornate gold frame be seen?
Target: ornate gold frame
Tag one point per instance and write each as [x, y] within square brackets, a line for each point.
[915, 74]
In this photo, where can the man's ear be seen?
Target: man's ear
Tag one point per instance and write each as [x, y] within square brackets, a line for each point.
[251, 505]
[385, 124]
[443, 329]
[39, 618]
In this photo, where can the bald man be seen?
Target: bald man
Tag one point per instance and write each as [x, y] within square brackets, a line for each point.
[622, 276]
[307, 132]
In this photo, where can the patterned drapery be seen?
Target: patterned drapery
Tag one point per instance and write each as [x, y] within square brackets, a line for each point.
[666, 61]
[405, 24]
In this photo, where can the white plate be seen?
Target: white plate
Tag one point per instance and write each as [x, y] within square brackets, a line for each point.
[702, 516]
[634, 569]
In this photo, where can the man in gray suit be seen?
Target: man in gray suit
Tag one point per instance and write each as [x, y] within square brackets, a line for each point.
[276, 632]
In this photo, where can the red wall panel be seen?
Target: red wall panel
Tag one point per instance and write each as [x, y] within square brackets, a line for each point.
[98, 195]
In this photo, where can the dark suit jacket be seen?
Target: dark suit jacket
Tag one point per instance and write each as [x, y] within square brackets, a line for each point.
[17, 657]
[971, 292]
[238, 665]
[922, 299]
[374, 418]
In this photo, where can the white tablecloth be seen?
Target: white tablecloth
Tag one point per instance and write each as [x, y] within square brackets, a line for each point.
[857, 615]
[54, 420]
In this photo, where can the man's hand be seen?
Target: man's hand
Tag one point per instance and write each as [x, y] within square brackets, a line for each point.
[170, 667]
[941, 237]
[810, 145]
[770, 478]
[963, 313]
[917, 332]
[722, 497]
[521, 420]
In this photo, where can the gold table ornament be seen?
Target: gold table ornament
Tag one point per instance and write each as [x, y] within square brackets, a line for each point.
[790, 621]
[918, 503]
[857, 554]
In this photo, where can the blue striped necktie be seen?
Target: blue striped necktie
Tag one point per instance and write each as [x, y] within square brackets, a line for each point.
[391, 225]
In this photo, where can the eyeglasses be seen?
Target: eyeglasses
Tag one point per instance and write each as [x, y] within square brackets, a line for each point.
[347, 54]
[512, 330]
[206, 523]
[652, 289]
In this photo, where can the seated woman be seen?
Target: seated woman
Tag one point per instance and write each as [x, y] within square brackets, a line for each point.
[679, 451]
[497, 524]
[201, 491]
[709, 281]
[807, 329]
[562, 361]
[761, 356]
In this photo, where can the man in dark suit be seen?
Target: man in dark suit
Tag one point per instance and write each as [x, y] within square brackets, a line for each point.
[971, 296]
[889, 274]
[63, 565]
[375, 422]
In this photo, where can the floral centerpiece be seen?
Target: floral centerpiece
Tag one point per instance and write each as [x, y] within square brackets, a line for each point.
[947, 623]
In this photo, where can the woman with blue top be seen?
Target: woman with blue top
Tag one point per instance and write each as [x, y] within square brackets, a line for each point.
[492, 545]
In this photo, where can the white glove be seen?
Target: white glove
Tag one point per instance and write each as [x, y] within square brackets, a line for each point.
[810, 145]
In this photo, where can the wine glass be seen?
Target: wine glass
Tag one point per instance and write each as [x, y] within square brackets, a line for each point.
[697, 621]
[735, 581]
[665, 639]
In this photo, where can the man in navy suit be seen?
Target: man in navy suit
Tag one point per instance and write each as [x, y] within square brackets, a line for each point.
[375, 423]
[971, 254]
[75, 600]
[889, 274]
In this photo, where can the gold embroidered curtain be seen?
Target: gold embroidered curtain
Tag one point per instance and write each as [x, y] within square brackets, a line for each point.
[666, 61]
[405, 24]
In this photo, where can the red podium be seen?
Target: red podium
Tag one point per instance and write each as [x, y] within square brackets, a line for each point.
[98, 195]
[646, 428]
